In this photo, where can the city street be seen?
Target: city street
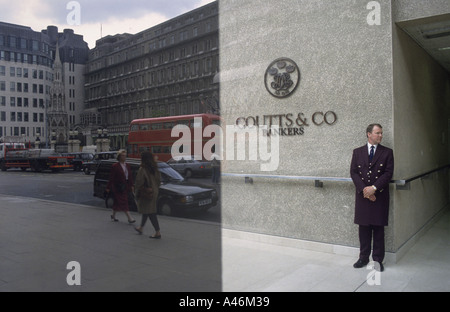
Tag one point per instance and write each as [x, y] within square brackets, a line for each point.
[76, 188]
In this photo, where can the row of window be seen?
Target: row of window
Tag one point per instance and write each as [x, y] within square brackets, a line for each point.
[22, 102]
[21, 131]
[152, 60]
[25, 58]
[160, 77]
[126, 116]
[24, 87]
[20, 72]
[21, 117]
[14, 42]
[25, 117]
[156, 149]
[165, 125]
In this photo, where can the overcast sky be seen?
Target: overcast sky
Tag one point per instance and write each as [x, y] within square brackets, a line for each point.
[112, 16]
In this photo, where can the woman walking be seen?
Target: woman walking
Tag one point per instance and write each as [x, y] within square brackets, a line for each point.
[121, 184]
[148, 180]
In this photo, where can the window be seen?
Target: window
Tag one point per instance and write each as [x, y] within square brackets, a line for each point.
[35, 45]
[13, 116]
[156, 149]
[12, 72]
[2, 86]
[2, 71]
[169, 125]
[157, 126]
[2, 100]
[12, 87]
[12, 42]
[12, 101]
[3, 116]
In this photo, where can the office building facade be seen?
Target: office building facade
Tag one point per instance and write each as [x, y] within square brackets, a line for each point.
[166, 70]
[26, 79]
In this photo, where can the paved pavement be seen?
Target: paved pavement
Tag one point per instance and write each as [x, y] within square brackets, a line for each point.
[38, 238]
[267, 264]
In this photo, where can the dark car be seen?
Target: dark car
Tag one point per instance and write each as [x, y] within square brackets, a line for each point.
[91, 166]
[79, 159]
[189, 167]
[175, 194]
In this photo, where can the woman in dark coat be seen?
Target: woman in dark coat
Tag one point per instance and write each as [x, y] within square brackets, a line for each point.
[148, 180]
[121, 184]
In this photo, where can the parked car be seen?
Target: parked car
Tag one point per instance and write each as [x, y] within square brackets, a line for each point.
[91, 166]
[189, 167]
[79, 159]
[175, 194]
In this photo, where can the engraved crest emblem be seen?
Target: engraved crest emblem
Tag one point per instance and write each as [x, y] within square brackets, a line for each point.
[282, 77]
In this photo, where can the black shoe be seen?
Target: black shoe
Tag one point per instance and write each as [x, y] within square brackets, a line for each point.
[360, 263]
[378, 266]
[114, 219]
[156, 237]
[132, 221]
[139, 231]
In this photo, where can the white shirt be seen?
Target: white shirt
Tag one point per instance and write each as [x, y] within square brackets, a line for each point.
[369, 146]
[125, 170]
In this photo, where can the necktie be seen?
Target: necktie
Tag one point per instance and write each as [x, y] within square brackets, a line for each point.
[372, 150]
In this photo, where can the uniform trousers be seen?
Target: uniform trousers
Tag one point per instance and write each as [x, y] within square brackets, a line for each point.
[366, 234]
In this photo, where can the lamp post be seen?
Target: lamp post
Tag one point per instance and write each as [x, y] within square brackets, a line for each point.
[70, 142]
[102, 140]
[37, 142]
[53, 140]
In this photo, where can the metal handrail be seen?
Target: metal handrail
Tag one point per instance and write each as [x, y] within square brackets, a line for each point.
[402, 184]
[419, 176]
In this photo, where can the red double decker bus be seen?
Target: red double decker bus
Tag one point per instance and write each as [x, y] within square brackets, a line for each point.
[155, 134]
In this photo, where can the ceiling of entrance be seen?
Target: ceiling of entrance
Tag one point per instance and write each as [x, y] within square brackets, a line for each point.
[433, 34]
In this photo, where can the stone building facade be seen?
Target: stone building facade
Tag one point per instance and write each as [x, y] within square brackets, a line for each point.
[166, 70]
[26, 78]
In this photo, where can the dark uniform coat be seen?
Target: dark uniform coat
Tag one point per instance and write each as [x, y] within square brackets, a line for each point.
[120, 186]
[378, 173]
